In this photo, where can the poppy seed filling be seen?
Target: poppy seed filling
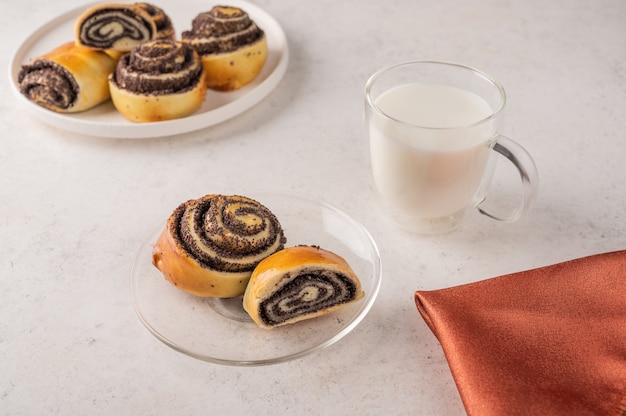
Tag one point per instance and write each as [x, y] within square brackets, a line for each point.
[48, 82]
[310, 290]
[217, 236]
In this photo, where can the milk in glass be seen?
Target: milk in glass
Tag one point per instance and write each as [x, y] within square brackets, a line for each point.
[431, 163]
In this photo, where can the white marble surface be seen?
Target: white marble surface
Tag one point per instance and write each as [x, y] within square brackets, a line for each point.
[74, 209]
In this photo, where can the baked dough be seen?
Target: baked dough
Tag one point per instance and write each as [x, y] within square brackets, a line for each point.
[298, 283]
[158, 80]
[210, 245]
[163, 23]
[232, 47]
[119, 27]
[68, 79]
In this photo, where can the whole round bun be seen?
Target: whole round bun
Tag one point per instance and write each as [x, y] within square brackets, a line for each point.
[210, 245]
[158, 80]
[232, 47]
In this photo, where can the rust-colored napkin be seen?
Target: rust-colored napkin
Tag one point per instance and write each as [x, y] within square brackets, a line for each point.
[549, 341]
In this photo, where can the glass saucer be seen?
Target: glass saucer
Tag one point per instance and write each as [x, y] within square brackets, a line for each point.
[219, 330]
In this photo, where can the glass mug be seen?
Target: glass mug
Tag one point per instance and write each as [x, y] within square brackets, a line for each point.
[432, 129]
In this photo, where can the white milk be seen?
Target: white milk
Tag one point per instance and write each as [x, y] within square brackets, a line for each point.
[432, 171]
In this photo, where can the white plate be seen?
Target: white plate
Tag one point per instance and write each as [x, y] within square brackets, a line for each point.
[219, 331]
[105, 121]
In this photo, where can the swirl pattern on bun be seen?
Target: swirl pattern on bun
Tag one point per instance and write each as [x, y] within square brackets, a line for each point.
[120, 27]
[299, 283]
[210, 245]
[68, 79]
[232, 47]
[158, 80]
[162, 22]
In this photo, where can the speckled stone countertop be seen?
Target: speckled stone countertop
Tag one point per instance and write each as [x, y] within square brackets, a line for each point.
[74, 209]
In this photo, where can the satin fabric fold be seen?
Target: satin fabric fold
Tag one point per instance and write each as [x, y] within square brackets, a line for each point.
[548, 341]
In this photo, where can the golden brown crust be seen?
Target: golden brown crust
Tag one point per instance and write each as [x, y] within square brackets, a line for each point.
[184, 272]
[158, 80]
[232, 47]
[233, 70]
[210, 245]
[262, 299]
[68, 79]
[150, 108]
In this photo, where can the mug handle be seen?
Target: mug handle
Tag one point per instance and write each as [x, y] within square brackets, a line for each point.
[527, 169]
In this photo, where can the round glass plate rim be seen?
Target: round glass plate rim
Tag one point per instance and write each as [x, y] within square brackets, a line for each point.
[355, 320]
[248, 96]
